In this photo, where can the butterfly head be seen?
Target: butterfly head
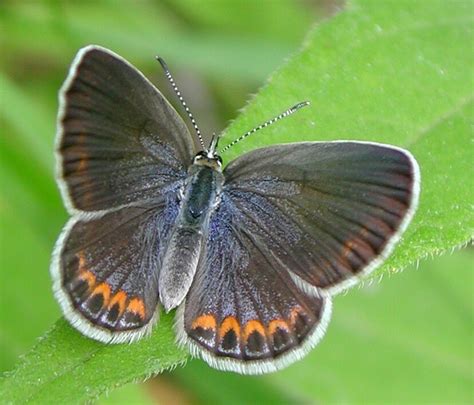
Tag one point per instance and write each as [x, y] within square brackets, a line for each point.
[209, 157]
[204, 158]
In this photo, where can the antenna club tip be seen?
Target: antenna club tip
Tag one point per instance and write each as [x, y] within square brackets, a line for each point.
[162, 62]
[296, 107]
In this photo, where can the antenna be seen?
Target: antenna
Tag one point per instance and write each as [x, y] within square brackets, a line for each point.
[266, 124]
[181, 99]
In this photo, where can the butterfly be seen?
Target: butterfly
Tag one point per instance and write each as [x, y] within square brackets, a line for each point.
[250, 255]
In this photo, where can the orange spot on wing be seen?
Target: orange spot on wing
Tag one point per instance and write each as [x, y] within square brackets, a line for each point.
[347, 249]
[88, 277]
[83, 155]
[227, 324]
[104, 289]
[295, 313]
[119, 298]
[359, 246]
[205, 322]
[82, 262]
[137, 306]
[252, 326]
[277, 324]
[82, 164]
[380, 227]
[364, 233]
[84, 273]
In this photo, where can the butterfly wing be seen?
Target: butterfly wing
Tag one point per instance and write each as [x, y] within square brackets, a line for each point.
[122, 154]
[104, 270]
[296, 224]
[244, 313]
[119, 141]
[330, 212]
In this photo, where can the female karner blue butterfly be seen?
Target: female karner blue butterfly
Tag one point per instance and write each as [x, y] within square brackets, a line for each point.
[250, 254]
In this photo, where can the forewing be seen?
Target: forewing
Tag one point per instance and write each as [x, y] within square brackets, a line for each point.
[105, 270]
[329, 212]
[119, 141]
[243, 312]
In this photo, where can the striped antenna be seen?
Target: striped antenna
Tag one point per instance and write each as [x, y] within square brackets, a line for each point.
[266, 124]
[181, 99]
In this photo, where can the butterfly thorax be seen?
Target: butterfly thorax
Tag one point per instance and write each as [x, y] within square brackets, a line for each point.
[201, 191]
[198, 199]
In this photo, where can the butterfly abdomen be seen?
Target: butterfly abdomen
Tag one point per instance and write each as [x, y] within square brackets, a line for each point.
[184, 248]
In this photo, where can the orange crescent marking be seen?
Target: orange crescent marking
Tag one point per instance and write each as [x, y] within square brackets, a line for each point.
[364, 232]
[252, 326]
[347, 249]
[380, 225]
[227, 324]
[82, 165]
[119, 298]
[104, 289]
[82, 262]
[87, 276]
[84, 273]
[204, 321]
[136, 306]
[295, 312]
[82, 155]
[277, 324]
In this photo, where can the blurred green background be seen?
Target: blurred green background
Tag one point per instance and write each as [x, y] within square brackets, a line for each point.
[406, 339]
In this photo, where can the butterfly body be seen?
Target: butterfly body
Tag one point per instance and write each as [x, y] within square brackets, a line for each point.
[199, 197]
[250, 254]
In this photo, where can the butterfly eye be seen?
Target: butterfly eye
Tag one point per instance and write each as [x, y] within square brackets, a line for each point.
[199, 156]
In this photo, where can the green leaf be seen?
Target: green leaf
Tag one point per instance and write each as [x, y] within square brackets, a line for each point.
[27, 128]
[69, 367]
[128, 394]
[392, 72]
[231, 388]
[144, 32]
